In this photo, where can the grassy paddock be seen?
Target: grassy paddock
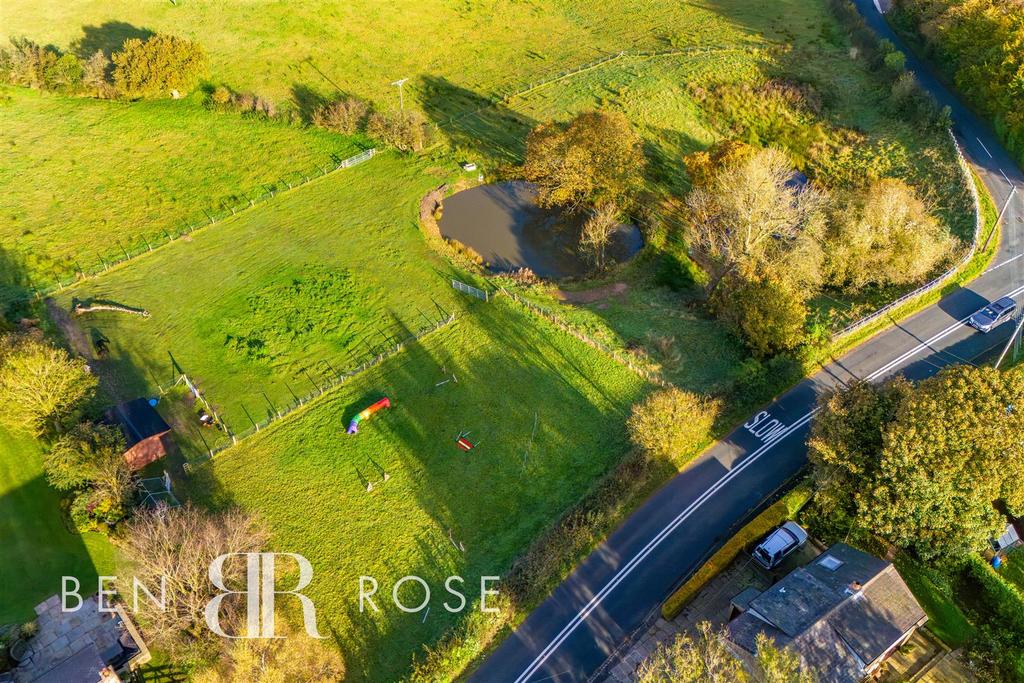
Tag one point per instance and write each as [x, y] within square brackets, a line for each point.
[304, 283]
[37, 548]
[81, 175]
[305, 476]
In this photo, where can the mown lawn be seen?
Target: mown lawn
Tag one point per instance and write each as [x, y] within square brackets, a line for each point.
[82, 175]
[37, 549]
[932, 589]
[307, 283]
[305, 476]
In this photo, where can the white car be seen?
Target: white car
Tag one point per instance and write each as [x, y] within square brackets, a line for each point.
[996, 312]
[778, 544]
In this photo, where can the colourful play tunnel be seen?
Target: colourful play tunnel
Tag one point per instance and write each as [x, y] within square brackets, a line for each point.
[353, 426]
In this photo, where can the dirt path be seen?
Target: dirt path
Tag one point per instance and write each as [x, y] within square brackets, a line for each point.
[79, 343]
[589, 296]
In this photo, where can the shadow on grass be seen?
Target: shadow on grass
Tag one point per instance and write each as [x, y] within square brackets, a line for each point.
[107, 38]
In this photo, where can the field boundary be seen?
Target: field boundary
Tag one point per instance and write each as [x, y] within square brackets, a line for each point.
[327, 385]
[188, 227]
[979, 223]
[615, 354]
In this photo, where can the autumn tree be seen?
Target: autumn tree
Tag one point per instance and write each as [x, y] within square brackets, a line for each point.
[345, 115]
[704, 658]
[177, 546]
[885, 235]
[158, 65]
[593, 160]
[702, 165]
[768, 312]
[90, 453]
[671, 422]
[752, 219]
[597, 234]
[94, 75]
[290, 658]
[923, 466]
[405, 130]
[42, 388]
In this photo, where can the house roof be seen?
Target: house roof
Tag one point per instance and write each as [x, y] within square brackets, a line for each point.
[840, 613]
[138, 420]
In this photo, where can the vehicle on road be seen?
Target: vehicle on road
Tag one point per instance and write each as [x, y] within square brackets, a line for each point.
[996, 312]
[778, 544]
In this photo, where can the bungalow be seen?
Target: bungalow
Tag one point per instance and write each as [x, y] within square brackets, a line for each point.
[146, 435]
[844, 614]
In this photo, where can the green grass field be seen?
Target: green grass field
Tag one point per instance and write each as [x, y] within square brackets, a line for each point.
[306, 282]
[81, 175]
[305, 475]
[37, 548]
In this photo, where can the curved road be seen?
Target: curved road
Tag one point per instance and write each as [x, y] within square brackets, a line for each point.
[611, 592]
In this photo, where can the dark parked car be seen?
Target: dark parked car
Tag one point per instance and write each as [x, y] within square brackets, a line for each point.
[996, 312]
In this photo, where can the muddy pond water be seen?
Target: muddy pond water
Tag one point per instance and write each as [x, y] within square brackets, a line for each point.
[503, 224]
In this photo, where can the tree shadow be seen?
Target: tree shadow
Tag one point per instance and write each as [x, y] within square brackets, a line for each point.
[307, 100]
[479, 125]
[15, 286]
[107, 38]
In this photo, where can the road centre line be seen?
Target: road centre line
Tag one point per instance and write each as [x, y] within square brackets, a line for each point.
[651, 545]
[984, 147]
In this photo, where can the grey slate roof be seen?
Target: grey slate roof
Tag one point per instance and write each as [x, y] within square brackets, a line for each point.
[818, 612]
[137, 419]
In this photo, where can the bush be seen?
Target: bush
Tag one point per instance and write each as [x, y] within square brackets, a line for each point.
[769, 313]
[404, 130]
[346, 115]
[157, 66]
[671, 424]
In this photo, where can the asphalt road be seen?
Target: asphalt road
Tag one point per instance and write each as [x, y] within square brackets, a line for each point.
[611, 592]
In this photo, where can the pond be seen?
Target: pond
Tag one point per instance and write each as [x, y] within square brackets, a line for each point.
[503, 224]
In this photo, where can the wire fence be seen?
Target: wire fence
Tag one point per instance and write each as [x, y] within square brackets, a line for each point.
[327, 381]
[979, 223]
[143, 244]
[618, 355]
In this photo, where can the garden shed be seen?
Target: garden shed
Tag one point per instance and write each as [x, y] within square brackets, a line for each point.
[146, 435]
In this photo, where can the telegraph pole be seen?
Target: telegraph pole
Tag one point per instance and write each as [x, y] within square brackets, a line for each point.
[401, 100]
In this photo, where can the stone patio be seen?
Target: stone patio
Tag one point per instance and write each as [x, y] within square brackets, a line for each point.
[64, 634]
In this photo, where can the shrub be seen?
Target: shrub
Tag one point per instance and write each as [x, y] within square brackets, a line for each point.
[157, 66]
[346, 115]
[220, 96]
[671, 423]
[404, 130]
[768, 312]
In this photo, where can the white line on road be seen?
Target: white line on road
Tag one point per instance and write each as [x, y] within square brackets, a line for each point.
[628, 568]
[984, 147]
[1000, 265]
[1007, 178]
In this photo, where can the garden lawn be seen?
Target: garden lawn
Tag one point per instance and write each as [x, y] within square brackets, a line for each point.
[82, 175]
[932, 589]
[548, 414]
[304, 284]
[37, 548]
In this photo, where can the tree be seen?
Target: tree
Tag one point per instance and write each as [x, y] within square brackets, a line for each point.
[886, 235]
[923, 466]
[593, 160]
[289, 658]
[779, 665]
[405, 130]
[158, 65]
[703, 165]
[90, 454]
[180, 544]
[345, 115]
[41, 386]
[28, 63]
[693, 660]
[768, 312]
[597, 233]
[94, 74]
[706, 659]
[751, 219]
[672, 422]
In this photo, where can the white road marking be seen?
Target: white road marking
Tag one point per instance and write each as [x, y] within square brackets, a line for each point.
[1000, 265]
[628, 568]
[764, 426]
[984, 147]
[1007, 178]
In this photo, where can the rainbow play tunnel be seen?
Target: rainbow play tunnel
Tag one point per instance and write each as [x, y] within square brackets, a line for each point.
[353, 426]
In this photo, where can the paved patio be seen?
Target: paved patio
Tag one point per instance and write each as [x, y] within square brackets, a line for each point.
[63, 635]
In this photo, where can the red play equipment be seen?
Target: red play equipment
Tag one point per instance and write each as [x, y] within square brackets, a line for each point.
[353, 426]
